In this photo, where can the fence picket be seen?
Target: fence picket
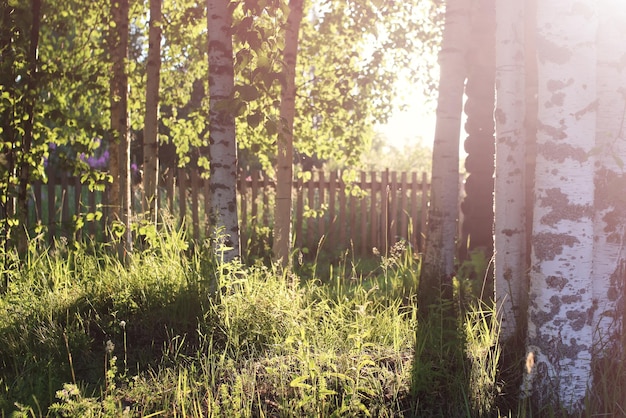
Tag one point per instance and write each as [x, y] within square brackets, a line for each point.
[390, 203]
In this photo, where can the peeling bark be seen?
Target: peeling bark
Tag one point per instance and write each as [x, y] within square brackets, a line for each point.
[510, 205]
[610, 178]
[560, 297]
[222, 140]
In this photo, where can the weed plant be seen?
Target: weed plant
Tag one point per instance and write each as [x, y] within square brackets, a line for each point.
[170, 333]
[174, 333]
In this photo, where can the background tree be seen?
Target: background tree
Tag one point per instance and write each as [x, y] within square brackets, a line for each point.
[284, 158]
[151, 118]
[119, 163]
[438, 267]
[510, 207]
[222, 141]
[349, 59]
[559, 330]
[610, 206]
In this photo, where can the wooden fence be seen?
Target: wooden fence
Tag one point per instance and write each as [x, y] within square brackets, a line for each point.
[376, 210]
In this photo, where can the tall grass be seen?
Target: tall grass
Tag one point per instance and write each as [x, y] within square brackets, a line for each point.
[172, 333]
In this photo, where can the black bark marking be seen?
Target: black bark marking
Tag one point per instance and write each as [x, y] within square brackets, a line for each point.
[550, 51]
[577, 319]
[542, 317]
[572, 350]
[555, 282]
[590, 108]
[548, 245]
[562, 209]
[500, 116]
[511, 232]
[610, 187]
[569, 299]
[559, 151]
[555, 85]
[552, 131]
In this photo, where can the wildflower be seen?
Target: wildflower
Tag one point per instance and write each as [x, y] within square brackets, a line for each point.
[123, 324]
[109, 347]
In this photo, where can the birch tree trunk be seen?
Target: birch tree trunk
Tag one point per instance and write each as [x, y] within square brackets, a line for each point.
[284, 158]
[222, 141]
[510, 207]
[560, 296]
[438, 268]
[610, 205]
[119, 148]
[151, 119]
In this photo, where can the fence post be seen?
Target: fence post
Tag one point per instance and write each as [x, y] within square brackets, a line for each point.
[332, 197]
[243, 204]
[342, 213]
[383, 245]
[424, 214]
[404, 214]
[195, 218]
[373, 212]
[299, 208]
[364, 241]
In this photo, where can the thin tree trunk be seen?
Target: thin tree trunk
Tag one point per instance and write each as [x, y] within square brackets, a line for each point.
[560, 296]
[610, 212]
[222, 140]
[510, 206]
[436, 274]
[151, 120]
[284, 158]
[119, 149]
[30, 98]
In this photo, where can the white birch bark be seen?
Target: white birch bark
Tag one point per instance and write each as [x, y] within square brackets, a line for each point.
[284, 158]
[610, 206]
[560, 296]
[509, 200]
[151, 120]
[222, 140]
[441, 231]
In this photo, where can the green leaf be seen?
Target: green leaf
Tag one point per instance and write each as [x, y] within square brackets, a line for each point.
[254, 119]
[271, 127]
[247, 93]
[299, 382]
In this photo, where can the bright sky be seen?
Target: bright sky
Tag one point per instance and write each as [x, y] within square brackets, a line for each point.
[414, 123]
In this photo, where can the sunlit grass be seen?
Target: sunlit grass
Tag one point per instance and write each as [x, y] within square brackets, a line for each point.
[171, 334]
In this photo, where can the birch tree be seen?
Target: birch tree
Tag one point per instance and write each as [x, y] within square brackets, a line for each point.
[119, 163]
[610, 206]
[222, 141]
[438, 268]
[284, 158]
[510, 208]
[151, 118]
[560, 296]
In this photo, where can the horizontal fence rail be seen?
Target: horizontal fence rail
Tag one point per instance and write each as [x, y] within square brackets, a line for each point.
[369, 214]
